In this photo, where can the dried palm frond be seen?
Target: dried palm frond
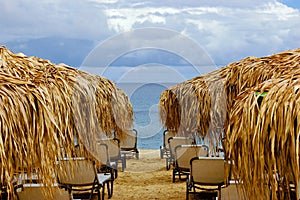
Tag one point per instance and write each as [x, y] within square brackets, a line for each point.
[45, 108]
[202, 104]
[263, 138]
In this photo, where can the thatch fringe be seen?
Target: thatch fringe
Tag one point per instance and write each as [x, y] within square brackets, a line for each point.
[216, 91]
[45, 108]
[262, 141]
[263, 138]
[184, 107]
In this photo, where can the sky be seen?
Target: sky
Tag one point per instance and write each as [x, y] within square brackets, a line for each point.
[167, 40]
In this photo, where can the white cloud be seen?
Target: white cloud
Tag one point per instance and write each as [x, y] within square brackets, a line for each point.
[281, 11]
[104, 1]
[35, 19]
[124, 19]
[231, 31]
[228, 30]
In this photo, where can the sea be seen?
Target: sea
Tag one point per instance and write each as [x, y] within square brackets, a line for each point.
[143, 85]
[145, 99]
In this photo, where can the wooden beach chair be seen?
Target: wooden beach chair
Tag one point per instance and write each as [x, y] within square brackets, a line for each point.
[80, 178]
[183, 156]
[174, 142]
[164, 149]
[38, 192]
[128, 145]
[206, 174]
[114, 151]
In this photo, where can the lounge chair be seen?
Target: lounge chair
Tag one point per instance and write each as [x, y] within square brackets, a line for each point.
[106, 167]
[183, 156]
[233, 191]
[128, 145]
[28, 177]
[164, 149]
[80, 178]
[286, 187]
[174, 142]
[39, 192]
[114, 151]
[206, 174]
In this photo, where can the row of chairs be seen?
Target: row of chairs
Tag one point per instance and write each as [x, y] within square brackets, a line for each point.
[183, 155]
[119, 150]
[191, 162]
[208, 174]
[77, 177]
[128, 145]
[204, 175]
[164, 149]
[82, 178]
[170, 142]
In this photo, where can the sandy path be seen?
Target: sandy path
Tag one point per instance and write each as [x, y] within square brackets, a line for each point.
[147, 178]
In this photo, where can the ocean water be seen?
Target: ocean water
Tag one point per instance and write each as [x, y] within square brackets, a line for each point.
[144, 99]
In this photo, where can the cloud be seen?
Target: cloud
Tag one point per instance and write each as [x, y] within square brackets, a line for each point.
[104, 1]
[37, 19]
[227, 30]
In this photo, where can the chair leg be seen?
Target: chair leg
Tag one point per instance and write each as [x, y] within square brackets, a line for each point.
[161, 153]
[173, 175]
[187, 189]
[110, 188]
[103, 191]
[116, 173]
[137, 154]
[167, 163]
[219, 193]
[123, 160]
[175, 172]
[125, 163]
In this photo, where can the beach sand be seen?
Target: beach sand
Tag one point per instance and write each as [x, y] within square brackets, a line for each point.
[147, 178]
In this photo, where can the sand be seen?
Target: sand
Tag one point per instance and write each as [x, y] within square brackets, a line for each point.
[147, 178]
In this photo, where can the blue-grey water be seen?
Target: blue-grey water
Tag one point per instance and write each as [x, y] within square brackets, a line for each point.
[144, 99]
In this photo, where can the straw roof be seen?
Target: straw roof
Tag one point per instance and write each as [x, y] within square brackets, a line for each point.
[202, 105]
[262, 141]
[263, 137]
[186, 106]
[44, 107]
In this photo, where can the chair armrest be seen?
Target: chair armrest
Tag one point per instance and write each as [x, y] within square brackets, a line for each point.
[103, 178]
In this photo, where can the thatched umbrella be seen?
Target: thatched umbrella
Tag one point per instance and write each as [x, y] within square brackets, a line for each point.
[122, 107]
[202, 105]
[190, 106]
[45, 107]
[263, 138]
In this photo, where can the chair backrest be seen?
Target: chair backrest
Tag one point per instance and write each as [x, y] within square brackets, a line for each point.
[113, 145]
[233, 191]
[76, 172]
[208, 170]
[103, 156]
[166, 135]
[184, 154]
[130, 141]
[40, 193]
[176, 141]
